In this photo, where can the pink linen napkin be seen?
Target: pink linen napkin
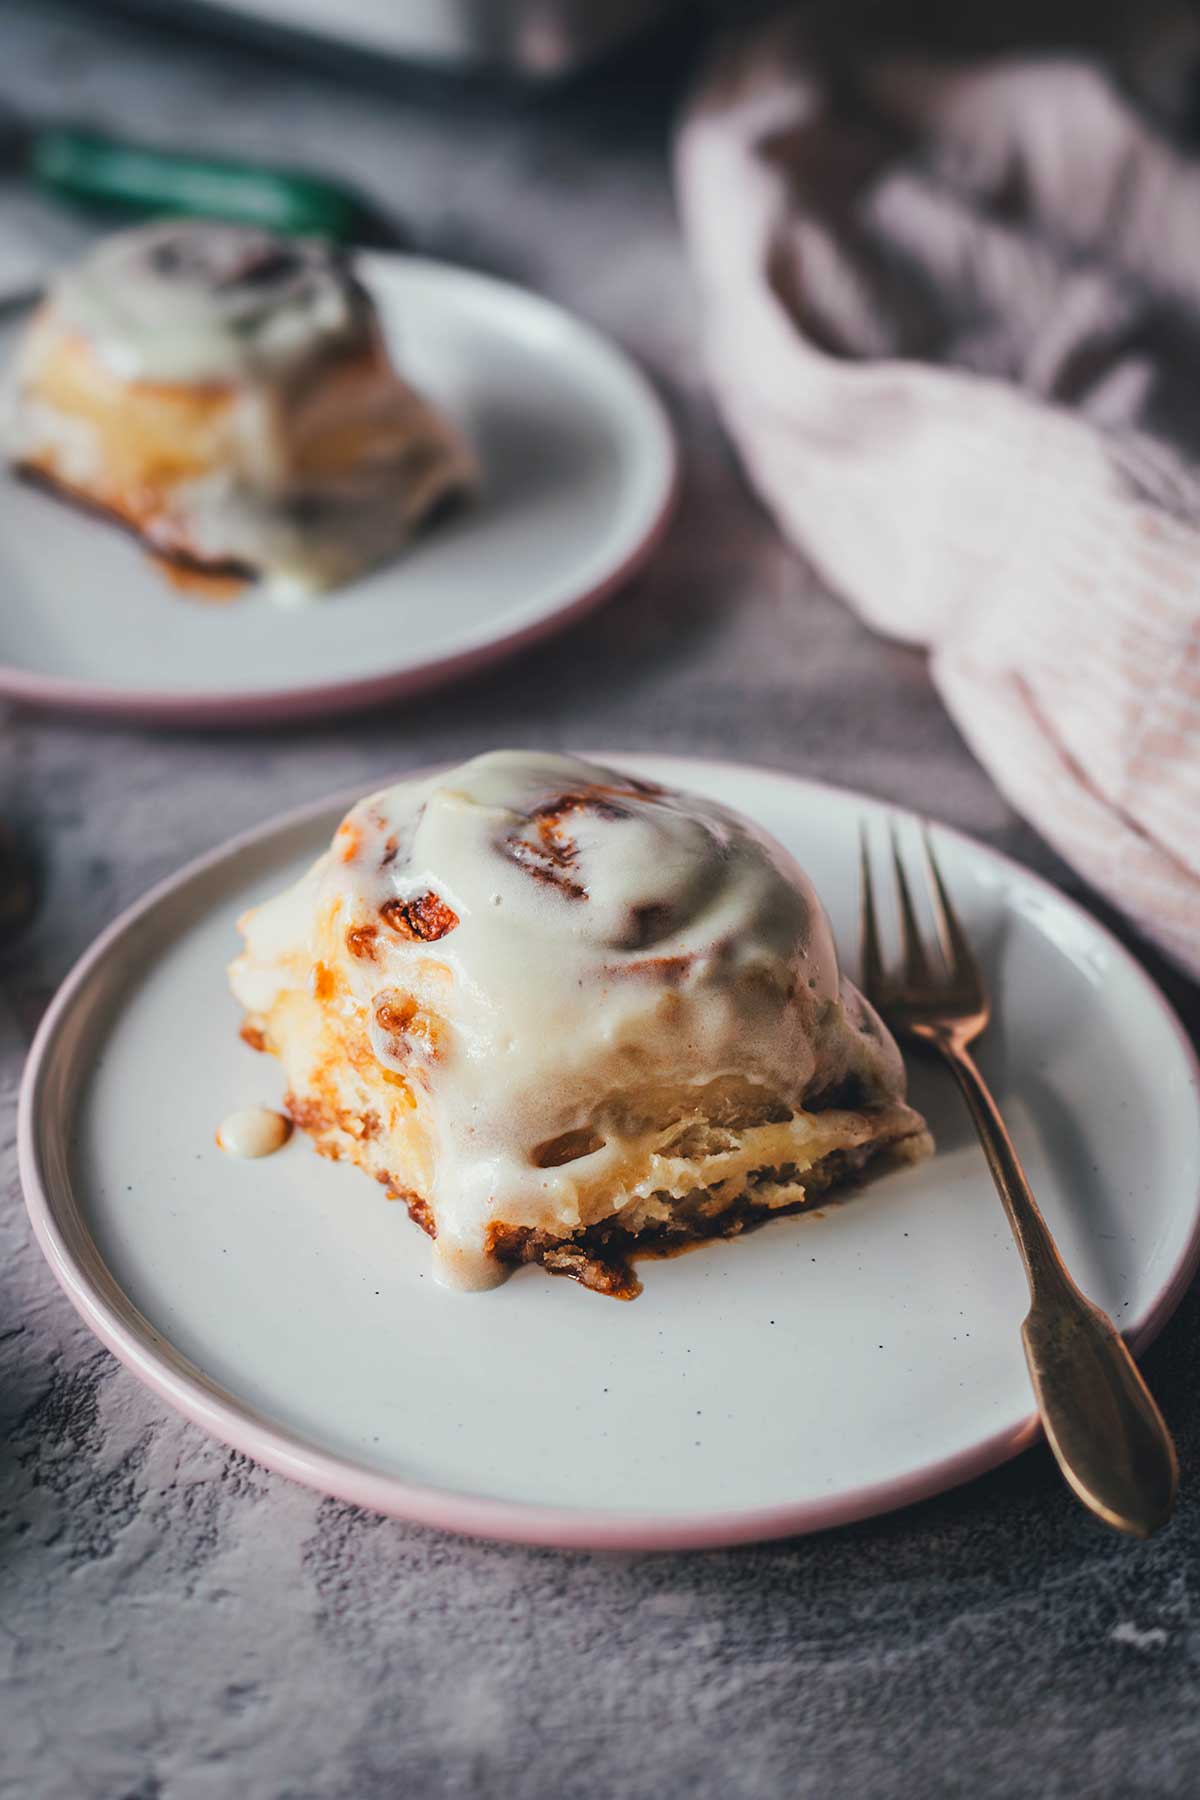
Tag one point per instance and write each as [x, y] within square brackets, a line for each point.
[952, 317]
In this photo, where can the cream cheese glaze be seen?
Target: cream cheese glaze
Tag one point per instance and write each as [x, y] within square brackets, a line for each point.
[279, 341]
[209, 302]
[560, 934]
[253, 1131]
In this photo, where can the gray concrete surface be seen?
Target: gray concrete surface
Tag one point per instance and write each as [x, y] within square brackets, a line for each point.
[176, 1624]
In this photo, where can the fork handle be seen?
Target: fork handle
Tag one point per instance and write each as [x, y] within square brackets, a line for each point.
[1101, 1421]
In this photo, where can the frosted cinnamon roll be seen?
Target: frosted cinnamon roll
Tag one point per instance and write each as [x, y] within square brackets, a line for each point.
[228, 395]
[567, 1015]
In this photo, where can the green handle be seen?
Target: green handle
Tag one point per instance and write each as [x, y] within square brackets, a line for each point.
[102, 171]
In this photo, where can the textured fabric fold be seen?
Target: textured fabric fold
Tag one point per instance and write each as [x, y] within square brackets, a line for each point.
[952, 320]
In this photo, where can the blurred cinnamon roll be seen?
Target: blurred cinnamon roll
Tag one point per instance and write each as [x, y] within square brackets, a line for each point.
[228, 394]
[565, 1015]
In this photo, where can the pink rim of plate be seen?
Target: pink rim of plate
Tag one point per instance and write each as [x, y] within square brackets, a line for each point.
[563, 1528]
[274, 707]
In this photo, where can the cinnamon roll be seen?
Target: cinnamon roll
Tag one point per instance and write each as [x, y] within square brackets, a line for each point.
[566, 1015]
[229, 396]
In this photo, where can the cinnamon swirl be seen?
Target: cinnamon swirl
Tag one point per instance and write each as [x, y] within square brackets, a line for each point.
[566, 1014]
[228, 395]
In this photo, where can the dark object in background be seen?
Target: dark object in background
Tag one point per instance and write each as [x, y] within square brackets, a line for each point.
[540, 39]
[16, 887]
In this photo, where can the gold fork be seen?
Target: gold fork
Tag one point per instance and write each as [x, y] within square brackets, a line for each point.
[1102, 1423]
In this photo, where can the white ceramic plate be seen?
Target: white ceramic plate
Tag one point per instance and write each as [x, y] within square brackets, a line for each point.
[579, 473]
[817, 1370]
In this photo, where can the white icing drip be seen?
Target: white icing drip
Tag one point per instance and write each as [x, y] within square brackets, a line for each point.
[254, 1131]
[304, 551]
[462, 1268]
[604, 936]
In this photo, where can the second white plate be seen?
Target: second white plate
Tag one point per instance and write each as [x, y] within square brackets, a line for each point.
[822, 1368]
[579, 472]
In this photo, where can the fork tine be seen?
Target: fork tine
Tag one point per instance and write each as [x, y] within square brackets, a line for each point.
[870, 957]
[916, 964]
[960, 958]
